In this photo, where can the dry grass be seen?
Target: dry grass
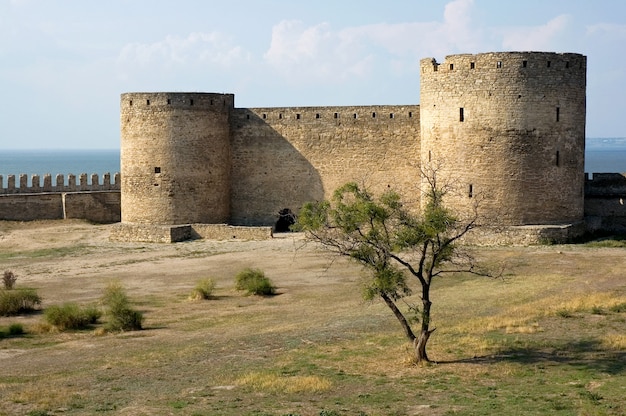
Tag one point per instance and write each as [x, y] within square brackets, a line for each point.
[502, 347]
[276, 383]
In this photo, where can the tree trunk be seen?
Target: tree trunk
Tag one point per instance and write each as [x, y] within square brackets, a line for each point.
[420, 344]
[403, 322]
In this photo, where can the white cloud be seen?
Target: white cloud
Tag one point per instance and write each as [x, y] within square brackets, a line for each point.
[607, 29]
[535, 38]
[196, 50]
[320, 52]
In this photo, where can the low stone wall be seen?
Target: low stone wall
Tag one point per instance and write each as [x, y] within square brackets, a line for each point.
[231, 232]
[605, 203]
[175, 233]
[96, 206]
[525, 235]
[149, 233]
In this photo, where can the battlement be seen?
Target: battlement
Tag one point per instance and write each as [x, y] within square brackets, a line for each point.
[152, 101]
[530, 62]
[59, 186]
[343, 114]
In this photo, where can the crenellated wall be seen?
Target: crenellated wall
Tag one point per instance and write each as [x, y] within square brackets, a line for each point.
[284, 157]
[90, 200]
[59, 185]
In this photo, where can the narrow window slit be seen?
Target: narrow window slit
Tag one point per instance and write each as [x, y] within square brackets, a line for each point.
[461, 114]
[470, 192]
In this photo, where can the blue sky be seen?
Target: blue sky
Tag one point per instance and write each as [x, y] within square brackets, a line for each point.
[64, 63]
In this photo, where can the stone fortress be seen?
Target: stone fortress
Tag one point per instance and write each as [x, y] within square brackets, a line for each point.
[508, 127]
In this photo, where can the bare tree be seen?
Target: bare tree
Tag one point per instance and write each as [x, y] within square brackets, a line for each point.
[394, 243]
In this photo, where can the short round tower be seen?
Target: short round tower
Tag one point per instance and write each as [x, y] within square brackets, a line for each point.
[175, 158]
[508, 128]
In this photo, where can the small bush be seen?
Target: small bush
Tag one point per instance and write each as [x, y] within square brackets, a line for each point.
[16, 329]
[12, 331]
[8, 279]
[71, 316]
[618, 308]
[120, 316]
[597, 310]
[203, 289]
[564, 313]
[254, 282]
[18, 301]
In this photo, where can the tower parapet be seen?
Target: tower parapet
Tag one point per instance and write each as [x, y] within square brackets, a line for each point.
[508, 127]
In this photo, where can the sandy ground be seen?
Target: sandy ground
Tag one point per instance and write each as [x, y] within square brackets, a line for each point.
[144, 372]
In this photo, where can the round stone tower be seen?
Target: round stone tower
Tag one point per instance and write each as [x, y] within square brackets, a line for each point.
[175, 158]
[508, 128]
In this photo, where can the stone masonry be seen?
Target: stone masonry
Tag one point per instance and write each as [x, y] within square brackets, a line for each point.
[505, 127]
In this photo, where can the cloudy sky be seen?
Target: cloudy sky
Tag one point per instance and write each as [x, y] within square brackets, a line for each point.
[64, 63]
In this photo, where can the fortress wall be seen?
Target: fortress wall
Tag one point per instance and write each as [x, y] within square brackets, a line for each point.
[605, 202]
[284, 157]
[175, 157]
[28, 207]
[96, 206]
[100, 207]
[509, 127]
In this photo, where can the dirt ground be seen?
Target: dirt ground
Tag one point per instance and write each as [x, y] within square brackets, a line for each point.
[191, 353]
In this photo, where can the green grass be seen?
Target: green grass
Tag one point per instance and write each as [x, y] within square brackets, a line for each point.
[71, 316]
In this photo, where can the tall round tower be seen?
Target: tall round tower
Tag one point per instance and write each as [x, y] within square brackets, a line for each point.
[175, 158]
[508, 128]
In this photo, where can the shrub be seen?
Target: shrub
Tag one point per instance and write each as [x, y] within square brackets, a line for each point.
[618, 308]
[17, 301]
[8, 279]
[254, 282]
[120, 316]
[12, 331]
[71, 316]
[203, 289]
[16, 329]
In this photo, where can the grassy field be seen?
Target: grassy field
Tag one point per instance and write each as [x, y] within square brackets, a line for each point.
[549, 338]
